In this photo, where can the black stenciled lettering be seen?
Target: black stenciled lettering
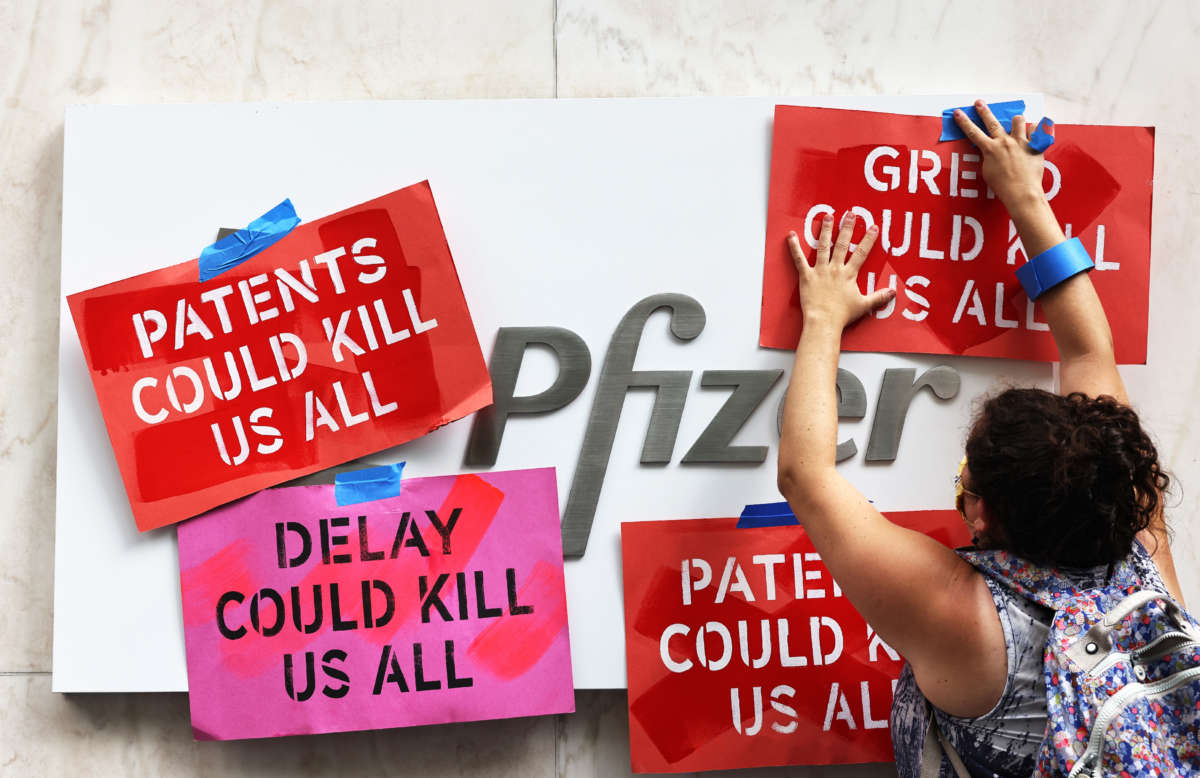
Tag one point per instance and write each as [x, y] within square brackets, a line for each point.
[461, 589]
[280, 617]
[444, 529]
[389, 602]
[398, 543]
[318, 610]
[431, 598]
[452, 679]
[368, 621]
[222, 627]
[414, 539]
[280, 545]
[335, 655]
[364, 551]
[481, 608]
[310, 682]
[281, 531]
[335, 611]
[385, 675]
[419, 672]
[328, 541]
[513, 608]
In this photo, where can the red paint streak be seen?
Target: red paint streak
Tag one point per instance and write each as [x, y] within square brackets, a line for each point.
[204, 583]
[480, 503]
[512, 645]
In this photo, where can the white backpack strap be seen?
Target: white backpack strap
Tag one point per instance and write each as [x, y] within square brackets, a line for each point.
[1094, 646]
[1138, 599]
[936, 745]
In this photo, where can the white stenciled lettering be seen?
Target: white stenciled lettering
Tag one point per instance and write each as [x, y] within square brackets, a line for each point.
[891, 171]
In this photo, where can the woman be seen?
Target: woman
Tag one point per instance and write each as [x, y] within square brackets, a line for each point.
[1065, 480]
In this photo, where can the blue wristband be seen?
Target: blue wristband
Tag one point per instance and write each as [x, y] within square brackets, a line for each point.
[1053, 266]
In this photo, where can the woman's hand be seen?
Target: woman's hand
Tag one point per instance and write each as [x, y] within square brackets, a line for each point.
[829, 286]
[1010, 167]
[1014, 173]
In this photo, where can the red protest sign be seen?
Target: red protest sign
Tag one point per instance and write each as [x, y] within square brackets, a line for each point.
[348, 336]
[946, 243]
[742, 651]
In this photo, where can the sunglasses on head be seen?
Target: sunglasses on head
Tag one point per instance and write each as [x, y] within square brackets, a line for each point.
[961, 491]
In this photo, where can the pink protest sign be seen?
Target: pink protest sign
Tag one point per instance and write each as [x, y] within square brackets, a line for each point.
[445, 603]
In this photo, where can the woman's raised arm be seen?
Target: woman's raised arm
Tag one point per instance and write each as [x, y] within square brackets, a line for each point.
[1087, 362]
[920, 597]
[1072, 308]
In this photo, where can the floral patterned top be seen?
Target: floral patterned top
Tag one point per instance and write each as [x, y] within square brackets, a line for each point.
[1005, 741]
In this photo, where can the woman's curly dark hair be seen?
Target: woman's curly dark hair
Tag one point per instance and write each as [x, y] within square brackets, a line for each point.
[1066, 481]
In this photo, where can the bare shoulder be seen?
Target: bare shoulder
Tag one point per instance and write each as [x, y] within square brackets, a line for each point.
[921, 597]
[962, 666]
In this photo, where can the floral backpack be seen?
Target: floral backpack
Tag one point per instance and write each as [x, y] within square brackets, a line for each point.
[1122, 671]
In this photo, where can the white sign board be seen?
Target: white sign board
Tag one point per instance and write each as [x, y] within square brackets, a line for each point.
[559, 213]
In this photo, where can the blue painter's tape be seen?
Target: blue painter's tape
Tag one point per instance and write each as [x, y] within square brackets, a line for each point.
[1004, 113]
[767, 514]
[1053, 266]
[260, 234]
[372, 483]
[1043, 137]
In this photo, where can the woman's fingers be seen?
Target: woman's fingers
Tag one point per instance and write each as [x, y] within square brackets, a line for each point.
[993, 126]
[842, 247]
[825, 239]
[969, 128]
[1019, 131]
[880, 298]
[837, 252]
[798, 257]
[863, 249]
